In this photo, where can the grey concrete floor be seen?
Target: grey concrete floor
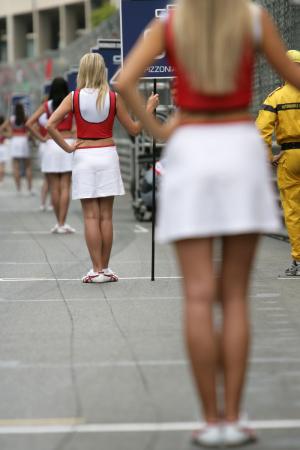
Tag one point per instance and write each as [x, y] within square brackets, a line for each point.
[112, 356]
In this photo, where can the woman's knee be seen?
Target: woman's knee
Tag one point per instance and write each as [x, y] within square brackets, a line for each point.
[200, 294]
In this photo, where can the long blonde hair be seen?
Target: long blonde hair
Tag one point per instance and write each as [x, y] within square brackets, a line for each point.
[92, 74]
[209, 39]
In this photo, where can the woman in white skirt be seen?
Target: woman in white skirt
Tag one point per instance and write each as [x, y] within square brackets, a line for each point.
[19, 146]
[216, 184]
[3, 150]
[56, 164]
[96, 170]
[45, 189]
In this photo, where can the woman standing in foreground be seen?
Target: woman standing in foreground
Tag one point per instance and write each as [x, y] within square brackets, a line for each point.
[96, 170]
[56, 164]
[216, 183]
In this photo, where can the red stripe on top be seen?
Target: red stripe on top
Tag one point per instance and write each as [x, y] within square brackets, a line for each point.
[91, 130]
[66, 124]
[188, 98]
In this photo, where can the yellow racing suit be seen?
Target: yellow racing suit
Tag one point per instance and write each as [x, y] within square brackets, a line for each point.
[280, 114]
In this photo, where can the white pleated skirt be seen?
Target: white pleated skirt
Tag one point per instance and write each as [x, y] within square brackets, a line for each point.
[3, 153]
[55, 159]
[42, 146]
[217, 182]
[19, 147]
[96, 173]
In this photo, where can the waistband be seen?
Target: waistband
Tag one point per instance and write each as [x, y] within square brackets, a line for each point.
[290, 146]
[96, 146]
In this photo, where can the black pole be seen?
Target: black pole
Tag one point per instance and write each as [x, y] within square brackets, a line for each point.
[153, 198]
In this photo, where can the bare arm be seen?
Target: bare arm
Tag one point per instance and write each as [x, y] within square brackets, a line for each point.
[142, 55]
[33, 120]
[6, 129]
[132, 126]
[274, 49]
[56, 117]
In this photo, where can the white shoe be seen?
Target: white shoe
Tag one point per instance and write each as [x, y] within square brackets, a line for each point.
[236, 434]
[108, 276]
[42, 208]
[92, 277]
[61, 230]
[68, 228]
[49, 208]
[54, 229]
[210, 436]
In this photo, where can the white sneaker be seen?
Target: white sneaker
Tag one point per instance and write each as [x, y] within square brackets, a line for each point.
[92, 277]
[54, 229]
[42, 208]
[210, 436]
[49, 208]
[68, 228]
[236, 434]
[61, 230]
[108, 276]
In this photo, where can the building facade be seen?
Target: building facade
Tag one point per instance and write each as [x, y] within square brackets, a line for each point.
[30, 27]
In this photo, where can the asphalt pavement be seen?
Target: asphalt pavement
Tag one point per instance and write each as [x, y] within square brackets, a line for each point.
[103, 367]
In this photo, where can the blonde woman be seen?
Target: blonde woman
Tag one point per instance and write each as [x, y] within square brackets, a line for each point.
[216, 183]
[96, 171]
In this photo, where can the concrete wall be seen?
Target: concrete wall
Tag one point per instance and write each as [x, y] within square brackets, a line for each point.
[56, 23]
[12, 7]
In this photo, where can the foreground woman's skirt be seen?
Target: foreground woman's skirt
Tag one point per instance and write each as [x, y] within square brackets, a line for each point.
[217, 182]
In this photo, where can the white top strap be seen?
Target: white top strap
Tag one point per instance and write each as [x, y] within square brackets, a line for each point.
[257, 30]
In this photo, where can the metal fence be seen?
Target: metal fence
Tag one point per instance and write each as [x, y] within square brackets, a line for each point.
[287, 16]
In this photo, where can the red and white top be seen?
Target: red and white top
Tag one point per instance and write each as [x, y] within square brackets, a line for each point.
[66, 124]
[186, 97]
[42, 120]
[17, 130]
[91, 122]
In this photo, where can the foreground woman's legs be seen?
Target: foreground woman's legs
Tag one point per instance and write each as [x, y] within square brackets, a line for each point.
[106, 228]
[238, 254]
[64, 197]
[195, 258]
[91, 216]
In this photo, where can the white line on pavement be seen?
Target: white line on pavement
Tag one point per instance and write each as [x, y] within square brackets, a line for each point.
[18, 280]
[86, 300]
[135, 427]
[140, 229]
[288, 278]
[6, 365]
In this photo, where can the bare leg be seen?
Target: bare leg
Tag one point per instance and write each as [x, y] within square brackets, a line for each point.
[54, 183]
[28, 171]
[238, 254]
[106, 228]
[44, 191]
[2, 171]
[64, 198]
[16, 172]
[91, 216]
[195, 258]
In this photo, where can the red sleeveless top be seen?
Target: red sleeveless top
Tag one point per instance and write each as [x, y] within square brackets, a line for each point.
[17, 130]
[92, 130]
[186, 97]
[66, 124]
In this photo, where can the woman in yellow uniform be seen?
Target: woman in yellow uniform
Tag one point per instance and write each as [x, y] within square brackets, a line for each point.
[280, 114]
